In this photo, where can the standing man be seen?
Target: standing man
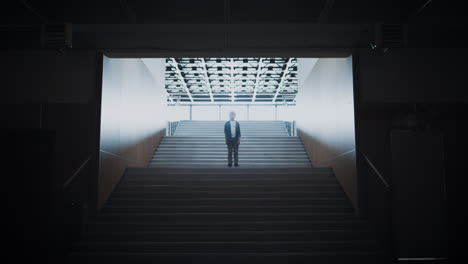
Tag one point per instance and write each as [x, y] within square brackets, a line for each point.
[232, 134]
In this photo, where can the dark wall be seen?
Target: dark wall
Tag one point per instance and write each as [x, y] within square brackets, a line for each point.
[48, 76]
[49, 112]
[413, 75]
[28, 196]
[407, 89]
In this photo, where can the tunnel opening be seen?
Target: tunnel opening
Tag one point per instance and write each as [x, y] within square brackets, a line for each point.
[144, 100]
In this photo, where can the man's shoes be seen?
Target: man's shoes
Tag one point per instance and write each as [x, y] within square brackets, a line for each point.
[236, 165]
[229, 165]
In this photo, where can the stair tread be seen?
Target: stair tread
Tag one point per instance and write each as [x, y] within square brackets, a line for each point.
[189, 207]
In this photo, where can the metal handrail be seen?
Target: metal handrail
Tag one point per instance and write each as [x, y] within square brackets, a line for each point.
[77, 171]
[385, 182]
[376, 171]
[287, 126]
[290, 127]
[171, 127]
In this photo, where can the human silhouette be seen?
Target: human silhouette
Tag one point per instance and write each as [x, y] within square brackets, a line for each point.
[232, 134]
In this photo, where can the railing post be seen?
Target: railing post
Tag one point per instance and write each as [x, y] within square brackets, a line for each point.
[171, 127]
[294, 128]
[190, 112]
[291, 128]
[276, 112]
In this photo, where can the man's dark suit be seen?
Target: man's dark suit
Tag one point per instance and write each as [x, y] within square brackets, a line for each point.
[232, 142]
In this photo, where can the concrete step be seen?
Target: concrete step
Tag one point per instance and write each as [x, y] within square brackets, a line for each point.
[243, 159]
[216, 165]
[221, 129]
[261, 149]
[217, 129]
[222, 155]
[244, 138]
[256, 132]
[218, 134]
[245, 154]
[224, 161]
[221, 124]
[210, 226]
[227, 194]
[226, 246]
[213, 166]
[243, 131]
[321, 257]
[212, 133]
[226, 182]
[266, 150]
[242, 144]
[247, 208]
[192, 152]
[221, 138]
[235, 201]
[239, 175]
[223, 151]
[228, 215]
[246, 160]
[224, 121]
[230, 175]
[270, 235]
[220, 217]
[242, 126]
[237, 188]
[247, 127]
[266, 177]
[272, 173]
[241, 163]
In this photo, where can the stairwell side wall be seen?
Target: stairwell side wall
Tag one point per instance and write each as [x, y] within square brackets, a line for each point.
[133, 117]
[325, 118]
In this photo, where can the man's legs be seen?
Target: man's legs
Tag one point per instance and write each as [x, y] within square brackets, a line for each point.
[236, 153]
[230, 149]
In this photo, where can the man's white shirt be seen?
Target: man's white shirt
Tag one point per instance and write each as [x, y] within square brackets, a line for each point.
[233, 128]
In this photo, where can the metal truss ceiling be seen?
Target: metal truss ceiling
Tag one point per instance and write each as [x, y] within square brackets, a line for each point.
[231, 80]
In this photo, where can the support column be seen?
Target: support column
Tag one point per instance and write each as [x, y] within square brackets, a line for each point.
[190, 112]
[219, 112]
[276, 112]
[248, 112]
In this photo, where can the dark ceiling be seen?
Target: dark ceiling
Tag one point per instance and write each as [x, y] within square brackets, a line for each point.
[238, 11]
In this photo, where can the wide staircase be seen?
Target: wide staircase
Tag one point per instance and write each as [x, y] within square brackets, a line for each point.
[228, 215]
[264, 144]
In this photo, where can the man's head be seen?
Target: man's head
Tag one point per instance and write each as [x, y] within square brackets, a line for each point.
[232, 115]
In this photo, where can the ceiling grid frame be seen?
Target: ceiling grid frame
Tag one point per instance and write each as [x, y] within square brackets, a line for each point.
[231, 80]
